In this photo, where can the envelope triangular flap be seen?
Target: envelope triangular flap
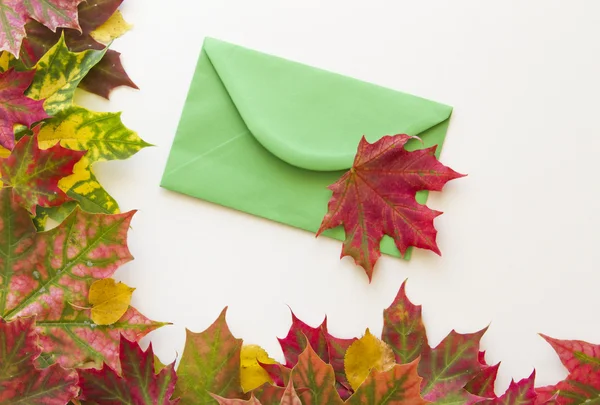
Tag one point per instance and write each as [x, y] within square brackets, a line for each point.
[312, 118]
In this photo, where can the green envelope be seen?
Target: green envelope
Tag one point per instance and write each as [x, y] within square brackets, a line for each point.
[266, 135]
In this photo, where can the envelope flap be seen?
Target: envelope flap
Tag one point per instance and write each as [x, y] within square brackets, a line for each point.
[312, 118]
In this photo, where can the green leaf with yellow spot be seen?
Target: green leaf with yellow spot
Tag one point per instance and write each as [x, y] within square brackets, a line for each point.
[58, 74]
[102, 135]
[83, 187]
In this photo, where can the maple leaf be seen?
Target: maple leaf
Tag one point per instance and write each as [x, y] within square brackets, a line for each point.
[48, 275]
[313, 373]
[58, 73]
[51, 13]
[210, 364]
[482, 384]
[34, 174]
[137, 383]
[376, 197]
[298, 335]
[103, 135]
[336, 349]
[582, 385]
[398, 385]
[518, 393]
[93, 14]
[20, 380]
[448, 367]
[15, 107]
[403, 328]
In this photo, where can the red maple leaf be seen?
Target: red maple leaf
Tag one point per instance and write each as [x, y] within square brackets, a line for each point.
[582, 385]
[20, 380]
[377, 197]
[15, 107]
[34, 173]
[137, 384]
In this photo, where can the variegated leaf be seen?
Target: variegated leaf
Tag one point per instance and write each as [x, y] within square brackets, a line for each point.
[210, 364]
[34, 174]
[403, 328]
[399, 385]
[51, 13]
[49, 274]
[449, 366]
[102, 135]
[313, 373]
[58, 73]
[21, 382]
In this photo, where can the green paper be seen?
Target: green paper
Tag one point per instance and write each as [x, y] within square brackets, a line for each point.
[266, 136]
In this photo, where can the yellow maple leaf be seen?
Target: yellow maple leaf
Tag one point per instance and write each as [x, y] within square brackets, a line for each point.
[365, 354]
[252, 375]
[109, 300]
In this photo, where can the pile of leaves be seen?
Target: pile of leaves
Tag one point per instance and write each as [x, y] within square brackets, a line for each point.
[68, 333]
[398, 368]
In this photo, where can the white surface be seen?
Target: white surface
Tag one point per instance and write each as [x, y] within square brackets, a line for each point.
[519, 235]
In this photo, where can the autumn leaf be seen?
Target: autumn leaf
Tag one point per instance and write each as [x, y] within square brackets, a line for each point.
[107, 75]
[482, 384]
[34, 174]
[51, 13]
[93, 15]
[448, 367]
[20, 380]
[318, 377]
[252, 374]
[15, 107]
[336, 348]
[295, 341]
[137, 383]
[403, 328]
[103, 135]
[58, 73]
[48, 275]
[110, 300]
[582, 385]
[518, 393]
[377, 197]
[210, 364]
[398, 385]
[112, 29]
[364, 355]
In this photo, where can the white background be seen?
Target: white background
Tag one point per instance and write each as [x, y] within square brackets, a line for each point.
[519, 235]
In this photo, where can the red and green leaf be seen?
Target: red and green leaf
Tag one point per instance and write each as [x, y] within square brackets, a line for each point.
[403, 328]
[518, 393]
[20, 380]
[210, 364]
[15, 107]
[448, 367]
[295, 341]
[377, 197]
[336, 348]
[136, 384]
[48, 275]
[51, 13]
[582, 385]
[34, 174]
[318, 377]
[229, 401]
[398, 385]
[483, 383]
